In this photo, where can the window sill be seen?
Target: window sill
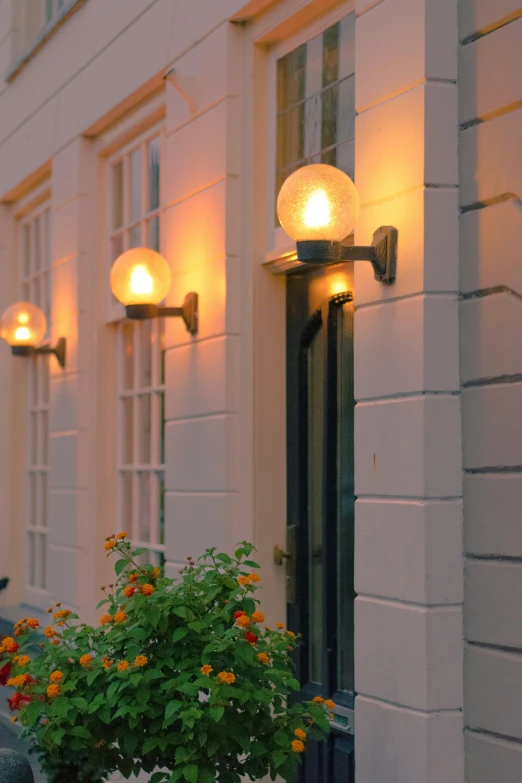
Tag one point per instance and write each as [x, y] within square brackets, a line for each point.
[70, 7]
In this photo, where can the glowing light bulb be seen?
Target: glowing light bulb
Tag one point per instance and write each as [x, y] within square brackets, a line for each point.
[318, 202]
[23, 324]
[141, 282]
[140, 276]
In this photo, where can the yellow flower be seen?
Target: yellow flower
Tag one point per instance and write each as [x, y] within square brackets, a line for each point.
[123, 665]
[263, 658]
[147, 589]
[298, 746]
[106, 662]
[85, 660]
[330, 704]
[255, 578]
[50, 632]
[106, 618]
[157, 572]
[33, 622]
[140, 660]
[243, 621]
[318, 700]
[122, 535]
[110, 545]
[243, 580]
[291, 634]
[56, 676]
[53, 691]
[227, 677]
[21, 660]
[258, 617]
[300, 734]
[206, 670]
[18, 681]
[120, 617]
[279, 625]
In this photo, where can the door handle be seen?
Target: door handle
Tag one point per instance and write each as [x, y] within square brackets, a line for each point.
[280, 555]
[288, 555]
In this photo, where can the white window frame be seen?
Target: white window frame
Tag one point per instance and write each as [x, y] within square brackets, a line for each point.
[154, 468]
[38, 406]
[278, 243]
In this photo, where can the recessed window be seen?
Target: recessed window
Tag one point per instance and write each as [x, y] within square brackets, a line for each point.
[35, 267]
[136, 210]
[315, 102]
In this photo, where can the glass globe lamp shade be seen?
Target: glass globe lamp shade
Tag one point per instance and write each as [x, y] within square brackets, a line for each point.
[140, 276]
[23, 324]
[318, 202]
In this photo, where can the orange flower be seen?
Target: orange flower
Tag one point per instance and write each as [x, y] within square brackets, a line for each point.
[61, 623]
[55, 641]
[300, 734]
[330, 704]
[123, 666]
[85, 660]
[298, 746]
[49, 632]
[206, 670]
[291, 634]
[318, 700]
[243, 621]
[53, 691]
[18, 631]
[56, 676]
[140, 660]
[227, 677]
[106, 618]
[147, 589]
[21, 660]
[263, 658]
[134, 577]
[49, 611]
[120, 617]
[110, 545]
[106, 663]
[258, 617]
[9, 645]
[33, 622]
[14, 719]
[157, 572]
[279, 625]
[19, 681]
[122, 535]
[255, 578]
[243, 580]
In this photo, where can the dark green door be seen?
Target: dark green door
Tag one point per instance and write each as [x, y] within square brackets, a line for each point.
[320, 585]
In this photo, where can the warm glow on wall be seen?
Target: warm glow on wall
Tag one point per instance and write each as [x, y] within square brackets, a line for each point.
[140, 276]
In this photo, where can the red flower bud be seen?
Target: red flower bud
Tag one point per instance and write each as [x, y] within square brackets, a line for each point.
[251, 638]
[238, 614]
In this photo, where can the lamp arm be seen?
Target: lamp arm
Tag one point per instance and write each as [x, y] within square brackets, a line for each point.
[382, 253]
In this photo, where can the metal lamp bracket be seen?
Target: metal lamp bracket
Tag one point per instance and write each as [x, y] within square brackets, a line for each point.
[59, 350]
[188, 311]
[382, 253]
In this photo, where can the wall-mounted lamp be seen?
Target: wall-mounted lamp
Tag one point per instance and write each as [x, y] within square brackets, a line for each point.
[23, 327]
[140, 279]
[318, 206]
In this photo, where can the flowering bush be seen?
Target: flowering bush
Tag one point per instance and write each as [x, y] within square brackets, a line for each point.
[180, 675]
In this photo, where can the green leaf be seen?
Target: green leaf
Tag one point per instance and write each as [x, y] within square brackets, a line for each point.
[143, 696]
[294, 684]
[257, 749]
[281, 739]
[206, 775]
[58, 735]
[180, 611]
[140, 551]
[216, 713]
[179, 633]
[119, 566]
[172, 707]
[149, 744]
[138, 633]
[212, 747]
[102, 603]
[224, 558]
[92, 676]
[190, 773]
[79, 703]
[279, 758]
[153, 615]
[81, 731]
[251, 564]
[159, 777]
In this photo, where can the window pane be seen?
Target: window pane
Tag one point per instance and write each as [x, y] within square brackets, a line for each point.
[32, 559]
[48, 10]
[330, 157]
[117, 195]
[145, 420]
[26, 249]
[46, 281]
[154, 234]
[329, 118]
[44, 378]
[117, 247]
[290, 137]
[43, 499]
[36, 291]
[135, 185]
[144, 506]
[128, 431]
[330, 55]
[145, 368]
[33, 506]
[42, 559]
[315, 505]
[154, 174]
[312, 126]
[37, 245]
[127, 502]
[135, 236]
[44, 437]
[162, 430]
[34, 438]
[291, 78]
[47, 260]
[161, 482]
[346, 127]
[128, 356]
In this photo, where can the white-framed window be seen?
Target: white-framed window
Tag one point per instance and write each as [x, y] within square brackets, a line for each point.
[52, 9]
[136, 209]
[312, 105]
[35, 286]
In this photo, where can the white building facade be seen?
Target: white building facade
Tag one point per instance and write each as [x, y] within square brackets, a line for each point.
[172, 124]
